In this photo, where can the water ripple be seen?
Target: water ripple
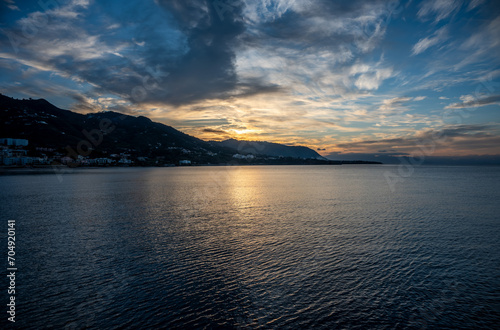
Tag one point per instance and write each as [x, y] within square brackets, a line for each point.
[257, 247]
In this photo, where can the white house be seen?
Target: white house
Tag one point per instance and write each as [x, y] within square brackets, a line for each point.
[14, 142]
[239, 156]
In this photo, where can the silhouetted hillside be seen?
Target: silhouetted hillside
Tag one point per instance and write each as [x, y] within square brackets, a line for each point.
[270, 149]
[106, 133]
[45, 125]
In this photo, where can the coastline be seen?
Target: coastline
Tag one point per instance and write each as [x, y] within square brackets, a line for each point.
[63, 169]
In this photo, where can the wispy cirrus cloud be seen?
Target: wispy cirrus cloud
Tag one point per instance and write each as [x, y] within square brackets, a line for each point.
[474, 3]
[398, 104]
[394, 105]
[438, 9]
[11, 5]
[437, 38]
[484, 43]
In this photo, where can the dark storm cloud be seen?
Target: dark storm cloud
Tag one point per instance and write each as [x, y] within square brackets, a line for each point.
[204, 70]
[207, 69]
[476, 102]
[215, 131]
[176, 52]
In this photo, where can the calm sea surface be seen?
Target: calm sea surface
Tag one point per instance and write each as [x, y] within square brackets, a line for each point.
[254, 247]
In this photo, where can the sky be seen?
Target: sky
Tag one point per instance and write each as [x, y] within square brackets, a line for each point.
[350, 79]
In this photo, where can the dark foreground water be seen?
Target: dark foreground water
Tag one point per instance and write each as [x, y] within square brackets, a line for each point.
[249, 247]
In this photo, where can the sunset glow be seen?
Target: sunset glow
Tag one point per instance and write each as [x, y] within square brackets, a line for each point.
[344, 78]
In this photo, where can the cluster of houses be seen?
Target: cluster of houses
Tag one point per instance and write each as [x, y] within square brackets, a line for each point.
[13, 152]
[239, 156]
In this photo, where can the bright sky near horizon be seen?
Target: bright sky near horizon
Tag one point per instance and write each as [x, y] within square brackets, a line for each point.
[342, 77]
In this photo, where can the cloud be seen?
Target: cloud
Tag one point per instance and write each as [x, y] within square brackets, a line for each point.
[458, 139]
[85, 104]
[423, 44]
[309, 48]
[355, 24]
[474, 3]
[484, 44]
[181, 52]
[469, 101]
[396, 103]
[372, 80]
[440, 9]
[444, 98]
[419, 98]
[486, 37]
[215, 131]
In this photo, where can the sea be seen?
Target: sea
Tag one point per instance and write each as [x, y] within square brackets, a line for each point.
[253, 247]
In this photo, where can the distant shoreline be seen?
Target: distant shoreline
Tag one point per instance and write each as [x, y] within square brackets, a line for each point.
[63, 169]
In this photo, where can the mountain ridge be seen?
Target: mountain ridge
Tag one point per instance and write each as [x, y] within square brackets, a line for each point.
[104, 133]
[270, 149]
